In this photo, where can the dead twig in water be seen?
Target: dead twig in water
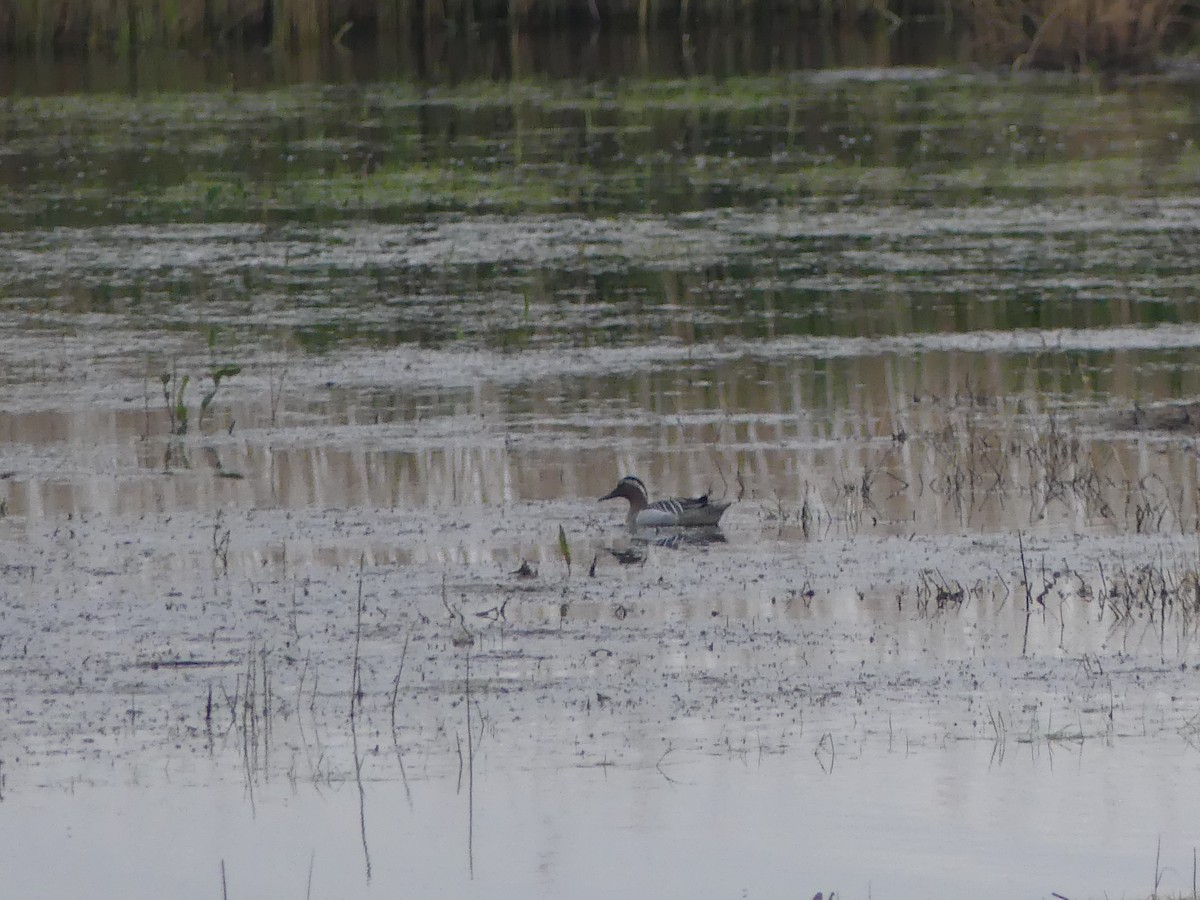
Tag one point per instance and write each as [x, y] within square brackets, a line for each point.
[825, 743]
[468, 637]
[178, 663]
[395, 739]
[356, 693]
[356, 696]
[658, 765]
[220, 544]
[1025, 573]
[1157, 869]
[1028, 593]
[362, 796]
[471, 768]
[458, 750]
[249, 725]
[717, 465]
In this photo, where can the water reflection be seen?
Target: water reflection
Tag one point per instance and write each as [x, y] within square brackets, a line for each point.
[452, 57]
[739, 822]
[932, 445]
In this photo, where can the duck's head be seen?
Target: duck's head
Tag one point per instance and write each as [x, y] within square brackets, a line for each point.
[632, 489]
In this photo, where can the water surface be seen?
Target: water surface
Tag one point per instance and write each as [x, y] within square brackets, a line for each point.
[933, 330]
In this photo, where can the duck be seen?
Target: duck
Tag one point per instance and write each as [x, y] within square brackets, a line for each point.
[673, 512]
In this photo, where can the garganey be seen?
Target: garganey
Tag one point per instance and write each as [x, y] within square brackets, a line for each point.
[677, 511]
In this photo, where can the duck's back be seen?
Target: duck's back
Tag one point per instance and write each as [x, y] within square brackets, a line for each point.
[682, 511]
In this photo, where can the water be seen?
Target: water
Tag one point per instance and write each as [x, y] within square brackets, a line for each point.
[944, 822]
[924, 326]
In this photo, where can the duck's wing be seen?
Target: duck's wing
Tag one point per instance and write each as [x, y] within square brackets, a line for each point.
[660, 513]
[702, 511]
[678, 510]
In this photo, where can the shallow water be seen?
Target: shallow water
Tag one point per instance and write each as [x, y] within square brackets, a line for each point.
[945, 822]
[921, 326]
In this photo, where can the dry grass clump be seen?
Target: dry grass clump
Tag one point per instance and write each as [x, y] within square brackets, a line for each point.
[1074, 34]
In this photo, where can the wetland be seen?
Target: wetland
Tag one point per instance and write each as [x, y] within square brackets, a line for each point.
[312, 379]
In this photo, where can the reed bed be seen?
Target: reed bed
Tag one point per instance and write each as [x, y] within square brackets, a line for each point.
[1076, 34]
[1121, 34]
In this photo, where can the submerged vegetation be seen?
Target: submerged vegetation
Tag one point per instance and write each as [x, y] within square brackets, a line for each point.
[1114, 34]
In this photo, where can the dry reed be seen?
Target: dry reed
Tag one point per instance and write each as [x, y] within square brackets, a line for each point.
[1075, 34]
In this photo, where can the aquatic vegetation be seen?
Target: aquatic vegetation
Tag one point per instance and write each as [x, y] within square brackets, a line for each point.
[174, 388]
[298, 155]
[564, 549]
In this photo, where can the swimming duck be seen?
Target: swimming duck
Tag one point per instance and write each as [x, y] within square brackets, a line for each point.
[677, 511]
